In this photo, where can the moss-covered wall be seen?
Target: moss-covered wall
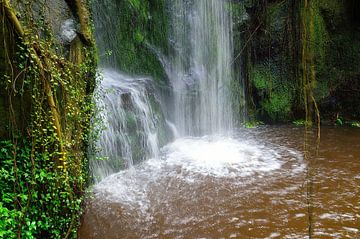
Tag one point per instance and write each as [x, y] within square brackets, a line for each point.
[339, 71]
[271, 38]
[130, 39]
[47, 75]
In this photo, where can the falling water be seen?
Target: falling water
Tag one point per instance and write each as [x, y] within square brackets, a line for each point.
[200, 72]
[106, 20]
[130, 132]
[200, 69]
[131, 128]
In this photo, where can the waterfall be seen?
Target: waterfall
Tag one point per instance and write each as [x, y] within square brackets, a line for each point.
[130, 124]
[130, 132]
[106, 20]
[198, 66]
[200, 69]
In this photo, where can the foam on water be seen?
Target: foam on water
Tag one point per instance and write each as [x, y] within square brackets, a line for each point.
[192, 160]
[220, 156]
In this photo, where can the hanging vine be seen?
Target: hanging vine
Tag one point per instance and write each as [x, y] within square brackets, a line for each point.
[43, 168]
[308, 80]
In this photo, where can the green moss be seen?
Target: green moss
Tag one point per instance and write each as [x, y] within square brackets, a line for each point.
[276, 99]
[136, 4]
[136, 28]
[40, 197]
[253, 124]
[263, 78]
[320, 40]
[334, 48]
[278, 106]
[139, 37]
[337, 49]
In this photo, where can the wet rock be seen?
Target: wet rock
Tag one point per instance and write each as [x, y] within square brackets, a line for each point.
[68, 31]
[126, 100]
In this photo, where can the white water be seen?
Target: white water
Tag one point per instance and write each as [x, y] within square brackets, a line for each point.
[219, 156]
[195, 161]
[200, 68]
[200, 73]
[128, 122]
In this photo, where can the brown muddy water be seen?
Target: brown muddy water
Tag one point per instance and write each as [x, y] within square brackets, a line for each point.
[254, 184]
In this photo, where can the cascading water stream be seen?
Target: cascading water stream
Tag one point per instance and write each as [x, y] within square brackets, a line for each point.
[200, 69]
[129, 127]
[129, 123]
[200, 73]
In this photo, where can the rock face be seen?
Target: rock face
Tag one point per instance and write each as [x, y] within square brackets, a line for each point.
[269, 47]
[68, 31]
[133, 122]
[129, 30]
[57, 12]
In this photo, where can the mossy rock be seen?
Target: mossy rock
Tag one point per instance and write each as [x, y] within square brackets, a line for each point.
[139, 27]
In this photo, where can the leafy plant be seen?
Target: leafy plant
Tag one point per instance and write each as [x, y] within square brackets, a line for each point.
[339, 121]
[253, 124]
[355, 124]
[302, 122]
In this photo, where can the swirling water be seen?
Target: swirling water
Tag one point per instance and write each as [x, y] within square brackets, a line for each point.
[231, 187]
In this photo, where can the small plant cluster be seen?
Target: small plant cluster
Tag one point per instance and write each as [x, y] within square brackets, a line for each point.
[339, 121]
[253, 124]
